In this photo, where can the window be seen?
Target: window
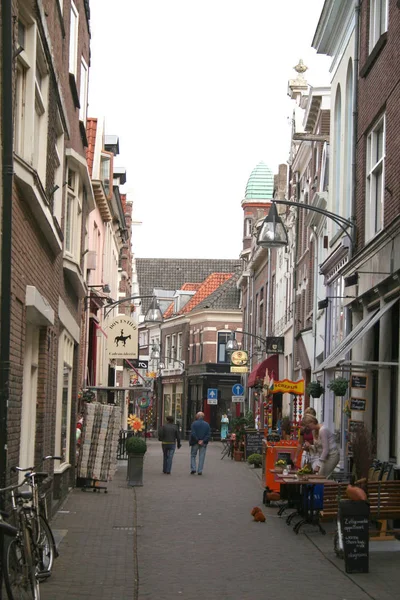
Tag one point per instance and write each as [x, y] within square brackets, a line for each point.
[173, 347]
[73, 216]
[29, 395]
[201, 348]
[247, 227]
[64, 396]
[167, 356]
[194, 358]
[261, 311]
[73, 40]
[41, 117]
[223, 355]
[337, 154]
[106, 172]
[83, 95]
[378, 21]
[56, 199]
[179, 349]
[375, 179]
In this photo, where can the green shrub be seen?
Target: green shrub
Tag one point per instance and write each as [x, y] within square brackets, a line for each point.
[255, 459]
[338, 386]
[135, 445]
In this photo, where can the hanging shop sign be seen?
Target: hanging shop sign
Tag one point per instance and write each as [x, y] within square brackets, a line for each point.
[122, 340]
[239, 361]
[359, 382]
[275, 345]
[290, 387]
[144, 402]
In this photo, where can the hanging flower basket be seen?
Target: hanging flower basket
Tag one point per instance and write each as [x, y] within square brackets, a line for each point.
[315, 389]
[339, 386]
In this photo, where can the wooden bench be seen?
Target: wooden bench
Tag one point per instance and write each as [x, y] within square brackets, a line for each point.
[383, 498]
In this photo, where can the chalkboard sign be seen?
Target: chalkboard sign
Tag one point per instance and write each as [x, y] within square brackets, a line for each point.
[359, 381]
[354, 524]
[254, 440]
[355, 426]
[358, 403]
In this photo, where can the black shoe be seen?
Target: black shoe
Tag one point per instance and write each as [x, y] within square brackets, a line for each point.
[192, 472]
[168, 472]
[199, 473]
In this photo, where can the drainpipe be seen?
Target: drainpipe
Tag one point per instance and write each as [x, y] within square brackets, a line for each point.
[7, 177]
[355, 116]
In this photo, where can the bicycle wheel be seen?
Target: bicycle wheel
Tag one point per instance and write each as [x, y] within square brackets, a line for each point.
[46, 547]
[19, 573]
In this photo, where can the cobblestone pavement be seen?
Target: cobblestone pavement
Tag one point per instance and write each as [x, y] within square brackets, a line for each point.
[195, 538]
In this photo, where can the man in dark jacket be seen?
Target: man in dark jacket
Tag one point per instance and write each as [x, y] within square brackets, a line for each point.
[168, 435]
[199, 437]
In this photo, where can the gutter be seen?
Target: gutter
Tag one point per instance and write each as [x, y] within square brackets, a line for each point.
[7, 180]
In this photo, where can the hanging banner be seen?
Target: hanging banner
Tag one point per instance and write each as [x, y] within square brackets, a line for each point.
[290, 387]
[122, 341]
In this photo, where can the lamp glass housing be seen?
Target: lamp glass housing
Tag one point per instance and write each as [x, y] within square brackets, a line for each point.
[232, 344]
[154, 314]
[272, 233]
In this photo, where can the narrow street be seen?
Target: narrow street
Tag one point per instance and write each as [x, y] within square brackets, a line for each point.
[189, 537]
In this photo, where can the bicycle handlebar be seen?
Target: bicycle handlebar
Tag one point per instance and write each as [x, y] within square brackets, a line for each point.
[11, 487]
[22, 469]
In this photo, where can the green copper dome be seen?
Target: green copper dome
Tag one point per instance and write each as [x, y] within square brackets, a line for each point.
[260, 185]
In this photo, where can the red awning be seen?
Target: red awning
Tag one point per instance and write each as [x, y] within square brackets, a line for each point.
[259, 370]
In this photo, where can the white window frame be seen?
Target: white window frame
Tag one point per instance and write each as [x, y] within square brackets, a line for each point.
[29, 396]
[179, 348]
[83, 95]
[378, 21]
[173, 347]
[41, 116]
[64, 399]
[73, 39]
[167, 356]
[59, 169]
[375, 178]
[73, 221]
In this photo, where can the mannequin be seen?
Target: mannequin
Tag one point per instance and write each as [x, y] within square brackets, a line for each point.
[224, 426]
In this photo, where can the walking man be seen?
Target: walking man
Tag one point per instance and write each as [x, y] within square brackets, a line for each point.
[168, 435]
[199, 438]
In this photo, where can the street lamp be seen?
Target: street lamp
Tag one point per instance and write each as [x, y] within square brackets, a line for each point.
[273, 234]
[232, 343]
[153, 315]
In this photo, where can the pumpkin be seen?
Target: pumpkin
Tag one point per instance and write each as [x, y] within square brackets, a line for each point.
[355, 493]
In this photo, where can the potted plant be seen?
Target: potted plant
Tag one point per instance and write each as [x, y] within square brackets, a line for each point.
[255, 459]
[315, 389]
[136, 448]
[280, 465]
[338, 386]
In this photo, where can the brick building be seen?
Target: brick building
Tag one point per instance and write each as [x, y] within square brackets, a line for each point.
[51, 199]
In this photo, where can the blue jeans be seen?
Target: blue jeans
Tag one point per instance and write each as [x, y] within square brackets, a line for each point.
[168, 455]
[202, 455]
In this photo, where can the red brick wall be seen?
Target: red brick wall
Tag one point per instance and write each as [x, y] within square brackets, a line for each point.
[379, 92]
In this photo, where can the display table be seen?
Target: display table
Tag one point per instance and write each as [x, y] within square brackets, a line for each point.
[306, 497]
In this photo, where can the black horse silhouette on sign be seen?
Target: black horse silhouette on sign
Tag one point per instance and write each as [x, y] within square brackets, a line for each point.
[121, 338]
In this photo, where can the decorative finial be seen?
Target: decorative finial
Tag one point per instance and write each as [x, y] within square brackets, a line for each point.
[301, 67]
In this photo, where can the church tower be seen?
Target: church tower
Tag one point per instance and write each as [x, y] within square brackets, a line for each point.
[257, 200]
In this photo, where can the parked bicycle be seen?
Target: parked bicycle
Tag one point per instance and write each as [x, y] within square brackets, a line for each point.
[28, 558]
[18, 564]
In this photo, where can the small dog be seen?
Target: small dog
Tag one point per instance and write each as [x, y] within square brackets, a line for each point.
[258, 515]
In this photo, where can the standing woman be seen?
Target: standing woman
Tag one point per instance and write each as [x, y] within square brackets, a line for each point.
[329, 453]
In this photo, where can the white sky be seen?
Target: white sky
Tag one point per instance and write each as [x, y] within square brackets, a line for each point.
[197, 93]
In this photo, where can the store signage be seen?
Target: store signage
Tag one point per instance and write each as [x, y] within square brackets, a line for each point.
[122, 338]
[237, 398]
[239, 370]
[355, 426]
[354, 521]
[358, 404]
[254, 442]
[144, 402]
[290, 387]
[359, 382]
[275, 345]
